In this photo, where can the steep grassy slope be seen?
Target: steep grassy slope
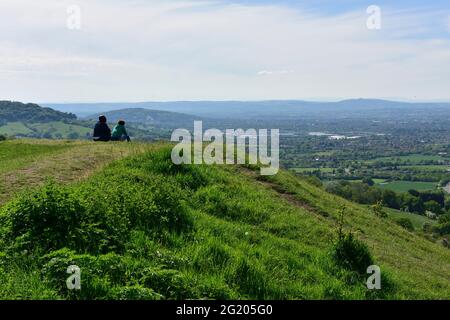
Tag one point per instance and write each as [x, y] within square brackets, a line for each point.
[142, 228]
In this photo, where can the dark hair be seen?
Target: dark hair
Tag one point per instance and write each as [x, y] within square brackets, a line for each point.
[102, 118]
[121, 122]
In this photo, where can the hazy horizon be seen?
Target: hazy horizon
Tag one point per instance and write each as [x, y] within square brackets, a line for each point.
[190, 50]
[241, 100]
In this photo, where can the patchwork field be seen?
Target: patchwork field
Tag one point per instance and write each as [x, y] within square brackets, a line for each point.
[404, 186]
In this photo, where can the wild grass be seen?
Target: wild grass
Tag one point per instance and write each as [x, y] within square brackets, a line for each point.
[27, 163]
[143, 228]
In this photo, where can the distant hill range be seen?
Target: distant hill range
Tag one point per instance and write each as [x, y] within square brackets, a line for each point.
[12, 111]
[276, 109]
[147, 117]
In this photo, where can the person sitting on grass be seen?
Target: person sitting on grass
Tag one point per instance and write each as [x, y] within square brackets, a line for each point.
[101, 131]
[119, 132]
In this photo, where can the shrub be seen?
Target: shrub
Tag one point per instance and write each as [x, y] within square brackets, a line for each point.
[349, 252]
[49, 218]
[379, 210]
[352, 254]
[443, 218]
[443, 229]
[405, 223]
[98, 216]
[2, 138]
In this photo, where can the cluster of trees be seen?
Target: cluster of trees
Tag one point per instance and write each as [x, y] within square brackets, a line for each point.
[411, 201]
[11, 111]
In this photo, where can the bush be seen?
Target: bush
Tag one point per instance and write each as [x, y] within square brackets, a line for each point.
[2, 138]
[50, 218]
[444, 218]
[405, 223]
[443, 229]
[349, 252]
[379, 210]
[98, 216]
[352, 254]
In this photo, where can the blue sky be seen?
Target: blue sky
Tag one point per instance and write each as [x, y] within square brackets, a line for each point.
[340, 6]
[137, 50]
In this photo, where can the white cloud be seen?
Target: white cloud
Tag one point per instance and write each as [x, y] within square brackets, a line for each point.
[142, 50]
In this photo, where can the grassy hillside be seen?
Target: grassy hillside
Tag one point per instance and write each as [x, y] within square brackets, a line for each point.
[32, 120]
[47, 130]
[12, 111]
[142, 228]
[417, 220]
[15, 129]
[29, 162]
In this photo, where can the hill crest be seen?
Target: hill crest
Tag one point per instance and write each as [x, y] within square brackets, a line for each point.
[14, 111]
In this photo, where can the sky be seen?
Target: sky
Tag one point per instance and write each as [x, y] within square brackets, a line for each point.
[164, 50]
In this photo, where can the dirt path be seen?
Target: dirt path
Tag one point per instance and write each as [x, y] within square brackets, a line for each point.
[289, 197]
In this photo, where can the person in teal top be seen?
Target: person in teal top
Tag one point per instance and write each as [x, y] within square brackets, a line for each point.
[119, 132]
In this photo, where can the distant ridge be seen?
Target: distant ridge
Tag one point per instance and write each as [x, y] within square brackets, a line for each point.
[148, 117]
[272, 109]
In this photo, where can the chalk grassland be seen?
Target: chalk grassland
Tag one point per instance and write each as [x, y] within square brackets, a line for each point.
[143, 228]
[26, 163]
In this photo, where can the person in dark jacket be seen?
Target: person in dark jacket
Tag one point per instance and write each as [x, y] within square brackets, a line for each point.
[101, 131]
